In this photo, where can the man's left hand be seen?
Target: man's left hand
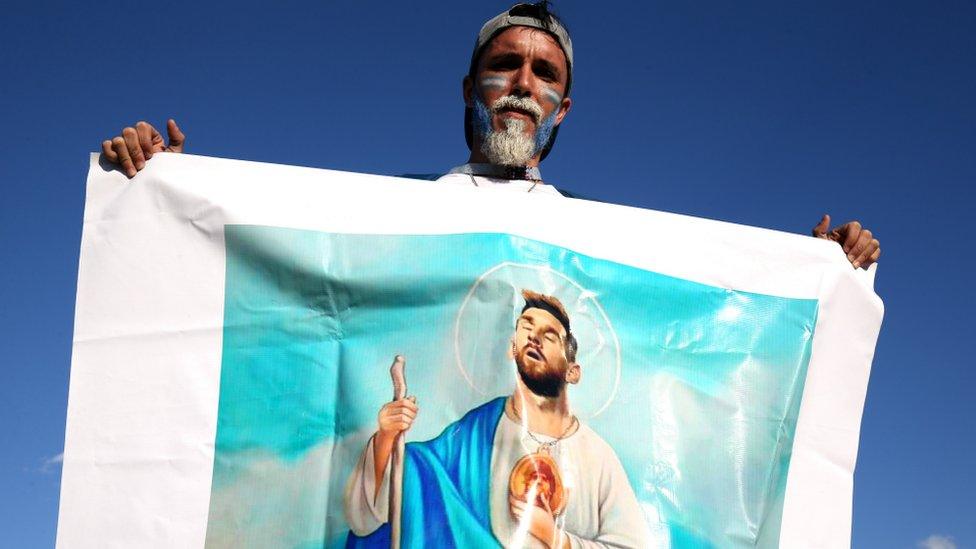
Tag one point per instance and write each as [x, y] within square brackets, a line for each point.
[859, 244]
[542, 525]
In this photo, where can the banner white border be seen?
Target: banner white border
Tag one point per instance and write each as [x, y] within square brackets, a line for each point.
[128, 306]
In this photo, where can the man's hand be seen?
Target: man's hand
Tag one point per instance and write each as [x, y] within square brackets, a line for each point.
[859, 244]
[394, 418]
[542, 525]
[137, 144]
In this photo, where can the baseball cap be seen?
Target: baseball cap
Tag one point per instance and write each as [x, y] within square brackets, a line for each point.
[536, 16]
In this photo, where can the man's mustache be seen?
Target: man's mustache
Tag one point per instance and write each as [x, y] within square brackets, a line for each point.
[537, 349]
[526, 104]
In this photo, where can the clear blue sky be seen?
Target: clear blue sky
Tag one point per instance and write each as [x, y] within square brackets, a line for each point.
[765, 113]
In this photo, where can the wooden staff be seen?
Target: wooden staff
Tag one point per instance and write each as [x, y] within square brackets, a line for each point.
[396, 459]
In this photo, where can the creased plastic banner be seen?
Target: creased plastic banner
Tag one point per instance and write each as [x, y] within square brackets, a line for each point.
[575, 372]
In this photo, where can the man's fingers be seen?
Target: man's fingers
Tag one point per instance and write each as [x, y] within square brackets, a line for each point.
[516, 505]
[176, 137]
[820, 231]
[851, 231]
[135, 149]
[139, 143]
[399, 418]
[122, 155]
[864, 258]
[545, 503]
[157, 140]
[874, 257]
[396, 416]
[402, 404]
[858, 248]
[108, 152]
[403, 414]
[145, 131]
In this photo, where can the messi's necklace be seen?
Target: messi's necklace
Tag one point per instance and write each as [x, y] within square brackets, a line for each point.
[536, 476]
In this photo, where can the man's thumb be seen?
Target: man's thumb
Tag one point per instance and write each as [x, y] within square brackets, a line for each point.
[176, 137]
[820, 231]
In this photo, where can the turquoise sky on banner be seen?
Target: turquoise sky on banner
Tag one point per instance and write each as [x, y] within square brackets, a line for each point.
[763, 113]
[695, 387]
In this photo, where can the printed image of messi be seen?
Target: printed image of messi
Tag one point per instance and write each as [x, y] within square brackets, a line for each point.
[518, 471]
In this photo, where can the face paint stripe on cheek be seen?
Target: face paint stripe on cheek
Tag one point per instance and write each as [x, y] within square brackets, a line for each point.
[493, 82]
[552, 96]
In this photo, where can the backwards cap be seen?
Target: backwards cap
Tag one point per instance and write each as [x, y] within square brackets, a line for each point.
[535, 16]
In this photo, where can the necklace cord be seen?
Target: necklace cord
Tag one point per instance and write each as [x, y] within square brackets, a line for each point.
[545, 444]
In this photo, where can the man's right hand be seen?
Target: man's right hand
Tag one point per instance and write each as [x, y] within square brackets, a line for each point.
[137, 144]
[396, 417]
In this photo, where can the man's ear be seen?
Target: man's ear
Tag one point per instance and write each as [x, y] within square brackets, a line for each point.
[564, 107]
[511, 349]
[467, 91]
[574, 373]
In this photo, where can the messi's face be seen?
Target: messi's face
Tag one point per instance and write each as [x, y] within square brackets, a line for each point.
[540, 352]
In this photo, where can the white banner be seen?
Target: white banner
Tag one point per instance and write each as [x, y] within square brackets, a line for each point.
[235, 323]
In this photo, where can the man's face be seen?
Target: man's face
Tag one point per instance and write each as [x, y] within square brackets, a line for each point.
[527, 65]
[540, 352]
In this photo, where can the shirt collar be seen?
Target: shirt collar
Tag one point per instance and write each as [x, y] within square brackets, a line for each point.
[498, 171]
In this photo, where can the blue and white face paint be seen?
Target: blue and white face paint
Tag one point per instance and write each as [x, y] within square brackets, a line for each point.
[512, 147]
[552, 96]
[493, 82]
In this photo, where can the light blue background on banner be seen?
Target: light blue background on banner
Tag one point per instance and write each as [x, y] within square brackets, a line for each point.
[702, 417]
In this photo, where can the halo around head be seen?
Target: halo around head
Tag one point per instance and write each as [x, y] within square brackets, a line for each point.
[485, 323]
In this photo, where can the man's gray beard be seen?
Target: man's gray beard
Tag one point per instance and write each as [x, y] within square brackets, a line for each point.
[511, 147]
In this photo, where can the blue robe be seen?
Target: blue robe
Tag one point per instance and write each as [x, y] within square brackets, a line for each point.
[445, 487]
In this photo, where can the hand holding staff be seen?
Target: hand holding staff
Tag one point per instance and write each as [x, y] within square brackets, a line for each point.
[395, 418]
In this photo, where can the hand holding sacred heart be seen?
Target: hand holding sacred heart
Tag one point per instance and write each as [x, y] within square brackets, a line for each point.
[536, 476]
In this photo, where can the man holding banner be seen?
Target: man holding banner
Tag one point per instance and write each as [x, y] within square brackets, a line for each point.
[516, 95]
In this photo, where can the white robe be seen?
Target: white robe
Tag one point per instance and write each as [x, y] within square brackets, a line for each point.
[601, 510]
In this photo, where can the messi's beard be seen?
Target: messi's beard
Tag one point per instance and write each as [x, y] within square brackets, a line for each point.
[545, 383]
[511, 146]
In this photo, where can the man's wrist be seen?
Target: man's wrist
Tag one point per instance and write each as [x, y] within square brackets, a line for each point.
[555, 538]
[382, 439]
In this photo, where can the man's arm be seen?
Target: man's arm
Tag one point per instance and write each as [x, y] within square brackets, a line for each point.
[394, 418]
[366, 501]
[138, 143]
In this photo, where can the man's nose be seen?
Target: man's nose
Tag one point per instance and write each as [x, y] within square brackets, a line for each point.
[522, 82]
